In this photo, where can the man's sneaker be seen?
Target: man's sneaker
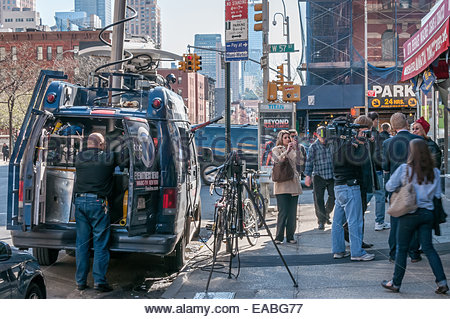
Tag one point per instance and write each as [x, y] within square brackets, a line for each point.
[365, 257]
[382, 226]
[341, 255]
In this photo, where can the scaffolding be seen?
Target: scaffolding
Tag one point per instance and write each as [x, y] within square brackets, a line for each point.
[335, 39]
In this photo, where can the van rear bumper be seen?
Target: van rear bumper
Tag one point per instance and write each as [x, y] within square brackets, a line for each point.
[157, 244]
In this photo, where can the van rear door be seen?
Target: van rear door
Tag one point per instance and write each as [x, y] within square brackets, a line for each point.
[143, 188]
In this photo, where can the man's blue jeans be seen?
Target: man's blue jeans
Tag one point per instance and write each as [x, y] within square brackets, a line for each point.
[380, 206]
[92, 217]
[420, 222]
[348, 208]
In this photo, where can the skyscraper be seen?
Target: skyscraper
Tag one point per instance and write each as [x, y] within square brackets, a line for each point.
[251, 72]
[8, 5]
[148, 20]
[211, 63]
[101, 8]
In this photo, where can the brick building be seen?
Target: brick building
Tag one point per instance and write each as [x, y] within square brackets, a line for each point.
[193, 88]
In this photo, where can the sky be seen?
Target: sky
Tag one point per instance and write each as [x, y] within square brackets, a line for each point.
[182, 19]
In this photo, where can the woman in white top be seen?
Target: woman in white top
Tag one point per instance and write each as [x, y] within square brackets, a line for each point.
[287, 192]
[420, 170]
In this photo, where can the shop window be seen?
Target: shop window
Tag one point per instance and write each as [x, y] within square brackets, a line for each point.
[387, 46]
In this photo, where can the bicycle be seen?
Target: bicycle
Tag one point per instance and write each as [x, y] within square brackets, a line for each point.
[252, 178]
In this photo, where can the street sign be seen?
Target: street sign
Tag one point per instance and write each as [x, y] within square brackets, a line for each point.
[281, 48]
[236, 30]
[392, 96]
[370, 93]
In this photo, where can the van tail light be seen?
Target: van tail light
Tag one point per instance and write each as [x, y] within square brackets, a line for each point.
[170, 198]
[20, 191]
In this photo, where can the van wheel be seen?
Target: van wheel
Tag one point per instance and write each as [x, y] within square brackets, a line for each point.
[208, 179]
[176, 261]
[45, 256]
[34, 292]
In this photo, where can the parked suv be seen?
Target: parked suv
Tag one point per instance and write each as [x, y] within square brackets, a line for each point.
[20, 275]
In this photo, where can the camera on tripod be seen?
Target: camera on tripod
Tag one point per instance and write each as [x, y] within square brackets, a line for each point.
[344, 129]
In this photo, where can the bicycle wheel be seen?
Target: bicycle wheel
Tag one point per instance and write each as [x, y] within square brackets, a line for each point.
[261, 204]
[218, 228]
[231, 221]
[250, 221]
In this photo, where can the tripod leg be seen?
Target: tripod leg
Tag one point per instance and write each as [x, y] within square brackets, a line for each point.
[273, 240]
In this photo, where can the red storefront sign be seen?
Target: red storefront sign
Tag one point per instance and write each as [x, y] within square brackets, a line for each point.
[236, 10]
[430, 51]
[429, 28]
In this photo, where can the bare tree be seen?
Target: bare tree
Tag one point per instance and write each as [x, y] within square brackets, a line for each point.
[18, 72]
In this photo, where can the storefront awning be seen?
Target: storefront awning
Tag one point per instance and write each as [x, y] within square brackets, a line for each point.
[428, 43]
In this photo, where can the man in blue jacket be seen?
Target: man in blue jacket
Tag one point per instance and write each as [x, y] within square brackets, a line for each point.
[395, 153]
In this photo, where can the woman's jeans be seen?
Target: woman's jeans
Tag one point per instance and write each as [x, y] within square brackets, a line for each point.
[348, 207]
[422, 222]
[287, 216]
[92, 216]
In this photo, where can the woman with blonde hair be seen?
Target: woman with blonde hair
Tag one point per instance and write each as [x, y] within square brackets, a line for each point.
[287, 192]
[419, 170]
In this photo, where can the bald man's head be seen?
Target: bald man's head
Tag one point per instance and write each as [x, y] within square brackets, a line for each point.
[96, 140]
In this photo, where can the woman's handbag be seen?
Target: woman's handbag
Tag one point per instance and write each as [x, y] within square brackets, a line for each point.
[282, 171]
[403, 201]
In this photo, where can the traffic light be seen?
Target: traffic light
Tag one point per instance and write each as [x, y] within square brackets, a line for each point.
[272, 91]
[190, 62]
[182, 64]
[259, 17]
[280, 76]
[197, 62]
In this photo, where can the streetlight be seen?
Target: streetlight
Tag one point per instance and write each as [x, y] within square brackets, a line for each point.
[285, 33]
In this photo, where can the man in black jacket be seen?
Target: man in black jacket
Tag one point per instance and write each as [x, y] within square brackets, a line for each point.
[93, 187]
[395, 153]
[376, 143]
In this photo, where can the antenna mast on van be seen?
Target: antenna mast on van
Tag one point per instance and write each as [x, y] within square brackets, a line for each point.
[118, 36]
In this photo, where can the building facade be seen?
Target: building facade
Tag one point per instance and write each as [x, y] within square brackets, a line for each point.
[101, 8]
[148, 20]
[334, 53]
[194, 89]
[75, 21]
[251, 73]
[20, 20]
[9, 5]
[211, 61]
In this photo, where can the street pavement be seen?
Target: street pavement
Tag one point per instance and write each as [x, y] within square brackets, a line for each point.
[318, 275]
[262, 274]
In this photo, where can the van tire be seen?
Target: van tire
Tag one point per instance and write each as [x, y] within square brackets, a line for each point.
[45, 256]
[177, 259]
[35, 292]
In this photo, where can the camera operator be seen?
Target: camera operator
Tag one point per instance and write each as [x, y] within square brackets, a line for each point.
[349, 155]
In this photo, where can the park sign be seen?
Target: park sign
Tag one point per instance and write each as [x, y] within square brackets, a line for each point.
[392, 96]
[236, 30]
[281, 48]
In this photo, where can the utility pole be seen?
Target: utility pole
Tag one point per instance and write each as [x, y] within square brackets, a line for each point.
[366, 74]
[265, 39]
[288, 42]
[227, 109]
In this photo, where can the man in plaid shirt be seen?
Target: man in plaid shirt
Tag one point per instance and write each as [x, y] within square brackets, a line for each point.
[319, 165]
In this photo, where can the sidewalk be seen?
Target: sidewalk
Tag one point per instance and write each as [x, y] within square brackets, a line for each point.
[312, 265]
